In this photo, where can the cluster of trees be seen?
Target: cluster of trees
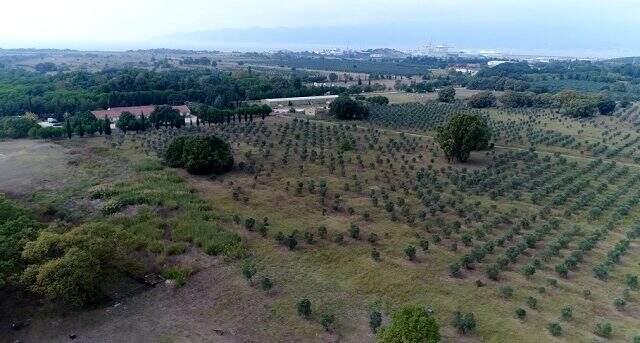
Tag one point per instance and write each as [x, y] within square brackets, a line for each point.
[16, 127]
[569, 102]
[212, 115]
[203, 61]
[54, 95]
[348, 109]
[200, 154]
[17, 226]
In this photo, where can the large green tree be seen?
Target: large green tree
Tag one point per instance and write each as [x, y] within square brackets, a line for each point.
[346, 108]
[447, 94]
[463, 134]
[410, 324]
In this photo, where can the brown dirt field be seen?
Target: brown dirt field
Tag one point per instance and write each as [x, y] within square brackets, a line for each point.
[29, 165]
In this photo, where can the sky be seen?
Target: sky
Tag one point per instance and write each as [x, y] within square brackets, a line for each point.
[560, 27]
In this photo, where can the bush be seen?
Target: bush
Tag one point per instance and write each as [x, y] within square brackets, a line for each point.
[521, 313]
[410, 324]
[555, 329]
[200, 154]
[465, 323]
[619, 303]
[532, 302]
[566, 313]
[304, 308]
[177, 274]
[375, 320]
[266, 283]
[604, 329]
[84, 257]
[17, 226]
[410, 251]
[506, 292]
[378, 99]
[327, 321]
[16, 127]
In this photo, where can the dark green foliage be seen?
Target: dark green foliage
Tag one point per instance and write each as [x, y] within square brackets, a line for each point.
[378, 99]
[375, 320]
[482, 100]
[604, 329]
[348, 109]
[327, 321]
[200, 154]
[375, 254]
[555, 329]
[17, 226]
[619, 303]
[72, 266]
[447, 94]
[506, 292]
[249, 269]
[463, 134]
[532, 302]
[266, 283]
[493, 272]
[464, 322]
[15, 127]
[566, 313]
[410, 324]
[410, 251]
[521, 313]
[354, 231]
[304, 308]
[127, 122]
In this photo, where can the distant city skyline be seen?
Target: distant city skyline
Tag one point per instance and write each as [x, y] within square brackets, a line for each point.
[567, 28]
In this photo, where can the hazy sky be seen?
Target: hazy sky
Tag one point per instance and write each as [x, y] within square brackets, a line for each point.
[611, 24]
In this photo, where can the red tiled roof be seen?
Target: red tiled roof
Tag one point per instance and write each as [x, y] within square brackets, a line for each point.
[115, 112]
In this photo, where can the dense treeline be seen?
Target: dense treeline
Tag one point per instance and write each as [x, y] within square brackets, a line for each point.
[22, 91]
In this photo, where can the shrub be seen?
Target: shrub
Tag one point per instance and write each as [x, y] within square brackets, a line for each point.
[375, 254]
[566, 313]
[248, 269]
[373, 238]
[532, 302]
[322, 232]
[266, 283]
[454, 269]
[410, 251]
[521, 313]
[465, 323]
[375, 320]
[327, 321]
[354, 231]
[506, 292]
[555, 329]
[604, 329]
[15, 127]
[410, 324]
[304, 308]
[84, 257]
[200, 154]
[493, 272]
[177, 274]
[619, 303]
